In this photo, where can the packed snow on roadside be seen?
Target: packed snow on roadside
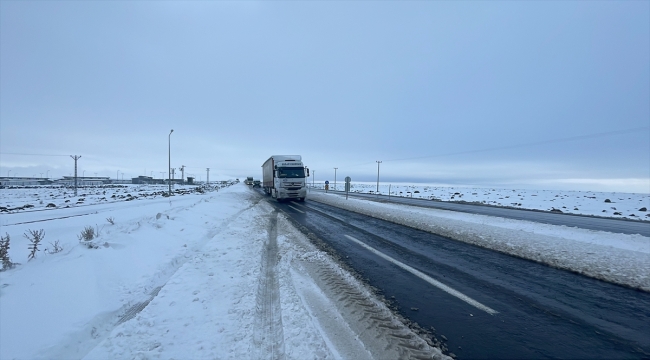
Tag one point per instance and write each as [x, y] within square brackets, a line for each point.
[618, 258]
[614, 204]
[219, 274]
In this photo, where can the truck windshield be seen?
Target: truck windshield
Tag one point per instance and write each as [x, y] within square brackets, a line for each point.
[291, 172]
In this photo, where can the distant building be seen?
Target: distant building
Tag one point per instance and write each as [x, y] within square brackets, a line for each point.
[149, 180]
[84, 180]
[145, 180]
[23, 181]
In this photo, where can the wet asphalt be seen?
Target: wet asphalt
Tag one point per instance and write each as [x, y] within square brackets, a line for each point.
[543, 312]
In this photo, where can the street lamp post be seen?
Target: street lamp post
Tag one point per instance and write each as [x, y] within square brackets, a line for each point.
[169, 159]
[83, 174]
[8, 173]
[378, 162]
[47, 174]
[313, 177]
[335, 178]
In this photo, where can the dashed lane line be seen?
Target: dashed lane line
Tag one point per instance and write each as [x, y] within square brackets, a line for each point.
[298, 210]
[426, 278]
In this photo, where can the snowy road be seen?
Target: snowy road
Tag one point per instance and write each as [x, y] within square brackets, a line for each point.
[585, 222]
[539, 311]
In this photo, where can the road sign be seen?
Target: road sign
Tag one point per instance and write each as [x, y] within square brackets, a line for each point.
[327, 182]
[347, 179]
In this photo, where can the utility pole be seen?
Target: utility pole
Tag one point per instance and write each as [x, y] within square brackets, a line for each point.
[76, 157]
[335, 178]
[183, 173]
[378, 162]
[169, 159]
[208, 178]
[173, 173]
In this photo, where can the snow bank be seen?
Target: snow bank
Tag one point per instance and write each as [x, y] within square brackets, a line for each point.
[618, 258]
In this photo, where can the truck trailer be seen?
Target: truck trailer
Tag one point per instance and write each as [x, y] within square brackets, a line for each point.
[283, 177]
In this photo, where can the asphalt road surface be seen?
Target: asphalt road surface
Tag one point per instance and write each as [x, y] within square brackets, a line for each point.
[481, 303]
[622, 226]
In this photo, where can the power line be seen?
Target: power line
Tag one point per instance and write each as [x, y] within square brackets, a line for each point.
[544, 142]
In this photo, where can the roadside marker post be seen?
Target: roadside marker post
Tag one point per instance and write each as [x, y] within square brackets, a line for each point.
[347, 186]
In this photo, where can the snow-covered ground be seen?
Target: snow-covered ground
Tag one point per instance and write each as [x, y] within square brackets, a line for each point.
[221, 274]
[32, 198]
[618, 258]
[616, 205]
[218, 274]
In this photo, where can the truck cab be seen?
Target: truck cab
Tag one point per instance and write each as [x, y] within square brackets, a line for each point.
[284, 177]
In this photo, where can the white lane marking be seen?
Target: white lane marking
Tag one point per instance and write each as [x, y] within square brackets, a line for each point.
[298, 210]
[426, 278]
[299, 204]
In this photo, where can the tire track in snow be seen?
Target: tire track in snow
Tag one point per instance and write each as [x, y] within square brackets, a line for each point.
[385, 334]
[269, 336]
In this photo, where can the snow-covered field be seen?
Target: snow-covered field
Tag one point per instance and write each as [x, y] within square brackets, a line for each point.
[616, 205]
[30, 198]
[218, 274]
[618, 258]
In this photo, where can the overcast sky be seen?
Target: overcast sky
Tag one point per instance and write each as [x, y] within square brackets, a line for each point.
[544, 94]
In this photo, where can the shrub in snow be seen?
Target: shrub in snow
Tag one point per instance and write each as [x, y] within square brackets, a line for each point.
[4, 253]
[87, 234]
[35, 237]
[110, 220]
[56, 248]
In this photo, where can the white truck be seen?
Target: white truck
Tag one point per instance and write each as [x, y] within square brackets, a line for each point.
[283, 177]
